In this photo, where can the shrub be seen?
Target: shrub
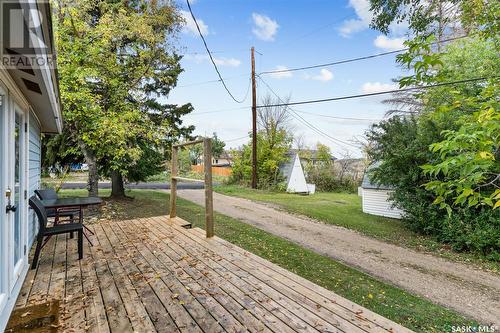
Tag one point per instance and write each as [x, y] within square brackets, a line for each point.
[326, 179]
[473, 230]
[271, 154]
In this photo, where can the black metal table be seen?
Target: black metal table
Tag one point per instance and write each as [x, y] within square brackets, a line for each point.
[74, 203]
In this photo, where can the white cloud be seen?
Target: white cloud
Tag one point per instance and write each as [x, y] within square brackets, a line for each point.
[231, 62]
[190, 25]
[281, 75]
[199, 58]
[362, 9]
[324, 76]
[364, 18]
[389, 44]
[265, 28]
[374, 87]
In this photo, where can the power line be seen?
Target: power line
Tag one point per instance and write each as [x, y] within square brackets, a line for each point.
[377, 93]
[198, 83]
[236, 139]
[311, 32]
[217, 111]
[209, 81]
[345, 61]
[214, 52]
[210, 55]
[336, 117]
[301, 119]
[317, 130]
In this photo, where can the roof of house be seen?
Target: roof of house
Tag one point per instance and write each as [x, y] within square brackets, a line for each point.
[367, 183]
[287, 167]
[40, 89]
[307, 154]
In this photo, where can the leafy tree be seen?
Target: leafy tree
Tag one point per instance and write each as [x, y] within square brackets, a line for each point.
[274, 119]
[466, 171]
[323, 153]
[448, 153]
[114, 62]
[274, 141]
[436, 17]
[217, 146]
[466, 168]
[271, 154]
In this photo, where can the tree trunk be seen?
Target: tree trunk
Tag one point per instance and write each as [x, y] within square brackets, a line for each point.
[117, 188]
[93, 180]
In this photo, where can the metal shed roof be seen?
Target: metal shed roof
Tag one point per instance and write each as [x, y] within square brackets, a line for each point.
[368, 184]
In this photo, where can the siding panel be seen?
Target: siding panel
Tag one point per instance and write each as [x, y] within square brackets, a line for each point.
[34, 171]
[376, 202]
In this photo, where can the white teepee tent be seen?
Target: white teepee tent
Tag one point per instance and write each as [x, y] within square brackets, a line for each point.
[296, 180]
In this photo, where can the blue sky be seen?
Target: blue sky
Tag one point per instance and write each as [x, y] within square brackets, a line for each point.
[288, 34]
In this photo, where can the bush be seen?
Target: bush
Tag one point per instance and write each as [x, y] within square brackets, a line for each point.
[327, 180]
[473, 230]
[270, 155]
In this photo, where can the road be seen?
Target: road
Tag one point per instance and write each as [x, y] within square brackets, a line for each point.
[472, 292]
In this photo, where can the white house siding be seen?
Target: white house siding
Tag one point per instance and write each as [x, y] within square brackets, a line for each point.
[376, 202]
[34, 172]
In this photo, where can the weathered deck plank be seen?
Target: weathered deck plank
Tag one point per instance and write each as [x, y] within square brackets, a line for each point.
[159, 316]
[152, 275]
[272, 303]
[136, 311]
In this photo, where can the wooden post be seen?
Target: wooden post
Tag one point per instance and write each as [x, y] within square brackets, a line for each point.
[209, 207]
[254, 123]
[173, 183]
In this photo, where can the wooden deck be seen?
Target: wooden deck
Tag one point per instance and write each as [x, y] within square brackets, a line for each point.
[152, 275]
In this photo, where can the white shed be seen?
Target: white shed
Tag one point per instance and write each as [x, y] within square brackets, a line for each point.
[375, 199]
[295, 178]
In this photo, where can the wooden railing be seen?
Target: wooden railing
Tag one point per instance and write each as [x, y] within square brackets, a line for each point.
[207, 162]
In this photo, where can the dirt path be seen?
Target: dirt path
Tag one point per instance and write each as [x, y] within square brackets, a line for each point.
[474, 293]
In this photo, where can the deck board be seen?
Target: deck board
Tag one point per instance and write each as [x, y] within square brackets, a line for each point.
[153, 275]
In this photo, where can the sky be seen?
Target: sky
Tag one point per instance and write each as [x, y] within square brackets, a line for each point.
[285, 34]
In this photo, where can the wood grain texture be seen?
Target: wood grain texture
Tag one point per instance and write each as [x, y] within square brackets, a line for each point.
[153, 275]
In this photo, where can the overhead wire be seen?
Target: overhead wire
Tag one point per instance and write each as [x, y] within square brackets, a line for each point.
[219, 110]
[311, 32]
[379, 92]
[336, 117]
[210, 81]
[236, 139]
[210, 55]
[345, 61]
[296, 116]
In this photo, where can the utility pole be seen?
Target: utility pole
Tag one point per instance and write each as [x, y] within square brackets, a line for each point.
[254, 123]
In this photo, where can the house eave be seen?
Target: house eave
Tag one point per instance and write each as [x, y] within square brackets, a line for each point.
[38, 82]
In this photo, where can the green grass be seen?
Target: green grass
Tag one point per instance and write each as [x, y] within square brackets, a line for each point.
[402, 307]
[344, 209]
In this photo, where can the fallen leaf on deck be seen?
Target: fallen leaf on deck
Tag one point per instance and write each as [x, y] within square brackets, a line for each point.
[25, 314]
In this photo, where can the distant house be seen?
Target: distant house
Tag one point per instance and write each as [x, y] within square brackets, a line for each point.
[294, 176]
[375, 198]
[353, 168]
[309, 156]
[224, 160]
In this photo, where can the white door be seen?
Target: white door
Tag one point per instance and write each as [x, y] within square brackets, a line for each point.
[4, 235]
[13, 257]
[18, 209]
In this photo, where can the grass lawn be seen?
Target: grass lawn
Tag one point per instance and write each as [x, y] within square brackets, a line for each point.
[411, 311]
[344, 209]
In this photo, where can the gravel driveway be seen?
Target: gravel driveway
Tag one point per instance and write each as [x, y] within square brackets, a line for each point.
[471, 292]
